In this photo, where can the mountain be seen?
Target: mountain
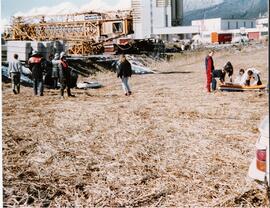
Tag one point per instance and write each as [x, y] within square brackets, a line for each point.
[227, 9]
[190, 5]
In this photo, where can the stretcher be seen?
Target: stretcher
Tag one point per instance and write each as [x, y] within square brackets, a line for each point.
[240, 88]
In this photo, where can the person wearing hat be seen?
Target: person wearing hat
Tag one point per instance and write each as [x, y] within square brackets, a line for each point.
[55, 69]
[64, 76]
[37, 65]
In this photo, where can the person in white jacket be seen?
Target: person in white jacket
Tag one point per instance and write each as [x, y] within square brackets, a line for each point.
[251, 77]
[240, 79]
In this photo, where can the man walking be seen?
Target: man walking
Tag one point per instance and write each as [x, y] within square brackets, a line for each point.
[209, 66]
[124, 71]
[15, 70]
[37, 65]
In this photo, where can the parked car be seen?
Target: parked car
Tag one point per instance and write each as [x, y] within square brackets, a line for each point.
[259, 167]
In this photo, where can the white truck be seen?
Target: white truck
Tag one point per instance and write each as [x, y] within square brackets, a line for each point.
[259, 167]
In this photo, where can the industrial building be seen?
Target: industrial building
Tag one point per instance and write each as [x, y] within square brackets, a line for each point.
[251, 28]
[152, 18]
[219, 24]
[262, 22]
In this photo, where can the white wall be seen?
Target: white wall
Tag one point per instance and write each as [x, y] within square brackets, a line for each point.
[150, 17]
[218, 24]
[262, 22]
[208, 24]
[142, 25]
[159, 17]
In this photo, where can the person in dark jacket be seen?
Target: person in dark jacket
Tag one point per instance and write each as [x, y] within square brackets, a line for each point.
[37, 64]
[64, 76]
[124, 71]
[48, 75]
[209, 68]
[55, 70]
[228, 68]
[221, 74]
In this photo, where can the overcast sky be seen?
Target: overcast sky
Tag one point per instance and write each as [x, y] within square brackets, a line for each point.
[28, 7]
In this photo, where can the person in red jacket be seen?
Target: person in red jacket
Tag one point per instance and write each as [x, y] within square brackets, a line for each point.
[37, 65]
[209, 67]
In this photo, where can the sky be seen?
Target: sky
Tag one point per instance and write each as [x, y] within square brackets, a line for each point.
[35, 7]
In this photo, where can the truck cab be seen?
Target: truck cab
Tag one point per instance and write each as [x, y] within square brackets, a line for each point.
[259, 167]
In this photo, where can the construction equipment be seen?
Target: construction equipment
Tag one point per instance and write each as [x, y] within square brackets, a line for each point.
[84, 33]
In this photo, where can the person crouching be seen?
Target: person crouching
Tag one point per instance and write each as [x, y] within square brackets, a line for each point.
[124, 71]
[253, 78]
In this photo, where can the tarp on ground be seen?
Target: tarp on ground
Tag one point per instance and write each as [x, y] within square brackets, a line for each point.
[138, 67]
[89, 85]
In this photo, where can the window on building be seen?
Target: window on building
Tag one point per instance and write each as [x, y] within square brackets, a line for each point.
[229, 27]
[237, 26]
[244, 24]
[117, 27]
[252, 24]
[167, 20]
[162, 3]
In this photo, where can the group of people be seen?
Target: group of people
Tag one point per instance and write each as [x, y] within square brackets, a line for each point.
[58, 64]
[249, 77]
[38, 65]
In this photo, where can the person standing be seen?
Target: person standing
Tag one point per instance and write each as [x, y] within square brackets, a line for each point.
[209, 66]
[37, 65]
[55, 70]
[48, 74]
[14, 71]
[64, 76]
[124, 71]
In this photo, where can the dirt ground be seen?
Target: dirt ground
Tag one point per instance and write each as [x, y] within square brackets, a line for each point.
[169, 144]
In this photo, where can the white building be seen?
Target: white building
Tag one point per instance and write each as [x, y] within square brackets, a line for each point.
[221, 25]
[251, 28]
[158, 17]
[262, 22]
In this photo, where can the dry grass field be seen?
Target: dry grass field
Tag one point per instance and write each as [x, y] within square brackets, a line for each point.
[170, 144]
